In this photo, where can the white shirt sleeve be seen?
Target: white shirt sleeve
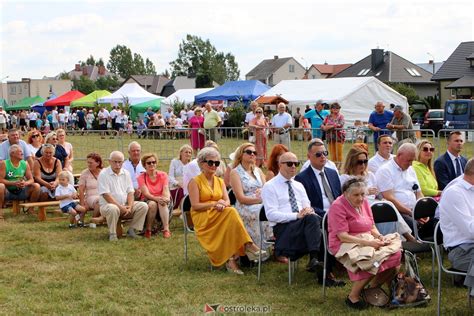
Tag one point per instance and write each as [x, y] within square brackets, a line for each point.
[270, 199]
[384, 180]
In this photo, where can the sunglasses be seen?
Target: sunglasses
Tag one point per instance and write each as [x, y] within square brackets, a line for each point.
[259, 112]
[151, 162]
[34, 136]
[250, 152]
[362, 162]
[426, 149]
[212, 162]
[291, 163]
[321, 153]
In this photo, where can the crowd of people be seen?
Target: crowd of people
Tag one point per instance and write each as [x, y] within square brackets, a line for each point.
[294, 201]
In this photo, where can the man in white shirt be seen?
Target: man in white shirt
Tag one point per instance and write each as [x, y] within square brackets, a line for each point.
[296, 227]
[32, 119]
[384, 153]
[55, 116]
[134, 165]
[116, 198]
[113, 117]
[457, 222]
[397, 182]
[281, 123]
[3, 120]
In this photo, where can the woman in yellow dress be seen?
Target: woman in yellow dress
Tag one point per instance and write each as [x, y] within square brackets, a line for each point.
[218, 226]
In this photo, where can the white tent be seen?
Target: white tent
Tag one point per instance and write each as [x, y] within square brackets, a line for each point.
[357, 96]
[132, 93]
[182, 95]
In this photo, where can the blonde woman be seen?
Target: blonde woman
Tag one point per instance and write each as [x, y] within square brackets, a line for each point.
[424, 170]
[61, 133]
[175, 173]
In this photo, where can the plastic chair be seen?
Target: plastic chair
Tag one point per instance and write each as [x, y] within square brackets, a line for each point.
[438, 242]
[185, 211]
[425, 207]
[291, 263]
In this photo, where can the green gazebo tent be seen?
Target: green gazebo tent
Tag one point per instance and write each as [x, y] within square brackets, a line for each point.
[3, 103]
[25, 103]
[140, 108]
[90, 100]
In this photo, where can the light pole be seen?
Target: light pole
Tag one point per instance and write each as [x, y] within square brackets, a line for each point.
[432, 58]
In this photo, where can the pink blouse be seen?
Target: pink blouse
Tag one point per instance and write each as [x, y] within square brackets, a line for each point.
[154, 187]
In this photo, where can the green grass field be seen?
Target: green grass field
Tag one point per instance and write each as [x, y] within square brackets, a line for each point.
[47, 268]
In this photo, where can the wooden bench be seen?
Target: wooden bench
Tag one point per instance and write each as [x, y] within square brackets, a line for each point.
[41, 206]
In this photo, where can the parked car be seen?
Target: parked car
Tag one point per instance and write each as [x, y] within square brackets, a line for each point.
[459, 114]
[417, 112]
[434, 119]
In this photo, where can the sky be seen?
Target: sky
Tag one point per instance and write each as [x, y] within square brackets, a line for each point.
[44, 38]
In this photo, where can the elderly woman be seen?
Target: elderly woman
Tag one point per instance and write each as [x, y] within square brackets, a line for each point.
[60, 152]
[88, 192]
[334, 135]
[153, 185]
[61, 133]
[34, 140]
[273, 166]
[424, 170]
[175, 174]
[219, 228]
[197, 124]
[356, 166]
[350, 224]
[46, 170]
[260, 125]
[247, 181]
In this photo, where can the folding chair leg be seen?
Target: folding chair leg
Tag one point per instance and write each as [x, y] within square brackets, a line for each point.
[185, 245]
[289, 271]
[432, 266]
[439, 290]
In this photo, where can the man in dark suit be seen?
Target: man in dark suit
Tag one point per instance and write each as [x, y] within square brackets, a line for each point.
[322, 186]
[450, 165]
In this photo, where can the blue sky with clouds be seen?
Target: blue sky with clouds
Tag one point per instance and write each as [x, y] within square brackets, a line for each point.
[44, 38]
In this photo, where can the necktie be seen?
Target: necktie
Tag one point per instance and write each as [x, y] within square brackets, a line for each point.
[458, 167]
[327, 189]
[291, 194]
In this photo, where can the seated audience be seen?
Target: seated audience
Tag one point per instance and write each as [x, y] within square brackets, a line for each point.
[451, 165]
[247, 181]
[219, 228]
[65, 193]
[16, 179]
[383, 154]
[155, 191]
[457, 223]
[424, 170]
[14, 139]
[88, 193]
[117, 198]
[175, 174]
[46, 170]
[350, 222]
[61, 133]
[59, 152]
[34, 140]
[273, 166]
[134, 165]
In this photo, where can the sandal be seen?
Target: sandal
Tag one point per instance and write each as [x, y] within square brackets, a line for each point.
[166, 234]
[230, 269]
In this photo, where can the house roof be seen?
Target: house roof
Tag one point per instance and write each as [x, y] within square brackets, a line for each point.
[181, 82]
[393, 69]
[466, 81]
[270, 100]
[267, 67]
[92, 72]
[330, 70]
[429, 66]
[153, 83]
[457, 65]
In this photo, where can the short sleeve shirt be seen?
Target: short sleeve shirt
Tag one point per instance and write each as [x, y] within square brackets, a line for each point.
[154, 187]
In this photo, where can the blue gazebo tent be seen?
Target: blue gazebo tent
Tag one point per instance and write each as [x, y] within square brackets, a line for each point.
[244, 91]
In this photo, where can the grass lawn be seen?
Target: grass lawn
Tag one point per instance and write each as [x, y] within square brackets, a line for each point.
[47, 268]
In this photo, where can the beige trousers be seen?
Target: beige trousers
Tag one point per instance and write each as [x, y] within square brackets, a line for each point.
[112, 213]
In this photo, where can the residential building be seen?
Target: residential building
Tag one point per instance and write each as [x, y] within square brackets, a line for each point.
[389, 67]
[272, 71]
[322, 71]
[89, 71]
[456, 76]
[151, 83]
[431, 66]
[180, 82]
[17, 90]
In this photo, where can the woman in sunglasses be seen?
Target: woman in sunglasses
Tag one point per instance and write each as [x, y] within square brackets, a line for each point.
[60, 152]
[424, 170]
[155, 191]
[355, 166]
[260, 125]
[219, 228]
[34, 140]
[247, 181]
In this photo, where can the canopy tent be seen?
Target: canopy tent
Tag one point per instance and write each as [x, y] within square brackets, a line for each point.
[130, 93]
[65, 99]
[244, 90]
[89, 100]
[39, 107]
[25, 103]
[137, 109]
[3, 103]
[182, 95]
[357, 96]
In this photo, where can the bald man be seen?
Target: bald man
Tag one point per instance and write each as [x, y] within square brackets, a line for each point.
[117, 197]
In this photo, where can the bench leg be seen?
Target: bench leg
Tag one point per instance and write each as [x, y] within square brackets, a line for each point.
[16, 207]
[42, 213]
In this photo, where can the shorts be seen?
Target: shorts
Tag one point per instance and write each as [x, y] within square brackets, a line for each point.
[65, 209]
[22, 122]
[118, 126]
[20, 195]
[33, 124]
[103, 127]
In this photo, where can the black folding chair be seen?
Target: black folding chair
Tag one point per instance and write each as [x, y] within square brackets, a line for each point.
[324, 230]
[438, 242]
[232, 197]
[188, 228]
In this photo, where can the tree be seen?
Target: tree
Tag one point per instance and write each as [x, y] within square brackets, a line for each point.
[109, 83]
[405, 90]
[64, 76]
[200, 58]
[100, 62]
[125, 63]
[138, 64]
[166, 73]
[90, 61]
[149, 67]
[84, 84]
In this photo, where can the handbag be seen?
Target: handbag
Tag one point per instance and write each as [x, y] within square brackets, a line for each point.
[375, 296]
[202, 131]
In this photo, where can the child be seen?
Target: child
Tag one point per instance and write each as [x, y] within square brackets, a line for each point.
[130, 128]
[141, 127]
[65, 193]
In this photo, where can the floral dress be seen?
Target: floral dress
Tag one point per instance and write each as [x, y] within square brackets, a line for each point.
[250, 213]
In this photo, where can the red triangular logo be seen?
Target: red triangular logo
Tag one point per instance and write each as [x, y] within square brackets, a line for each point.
[208, 309]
